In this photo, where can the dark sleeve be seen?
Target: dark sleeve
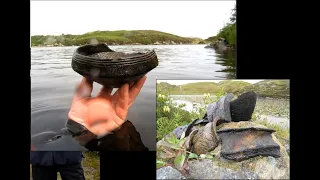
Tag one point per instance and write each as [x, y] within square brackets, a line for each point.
[82, 135]
[126, 138]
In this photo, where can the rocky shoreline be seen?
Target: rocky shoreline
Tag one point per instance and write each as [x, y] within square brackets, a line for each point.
[221, 45]
[115, 44]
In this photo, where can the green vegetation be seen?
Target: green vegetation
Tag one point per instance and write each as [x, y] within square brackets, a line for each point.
[228, 32]
[113, 38]
[171, 151]
[90, 164]
[202, 42]
[170, 116]
[267, 88]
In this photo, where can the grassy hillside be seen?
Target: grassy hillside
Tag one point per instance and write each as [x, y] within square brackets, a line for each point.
[266, 88]
[272, 88]
[113, 38]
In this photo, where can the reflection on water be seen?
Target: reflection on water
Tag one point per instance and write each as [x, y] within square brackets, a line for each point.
[53, 82]
[228, 60]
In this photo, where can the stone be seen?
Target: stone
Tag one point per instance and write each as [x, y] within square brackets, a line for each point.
[169, 172]
[287, 146]
[254, 168]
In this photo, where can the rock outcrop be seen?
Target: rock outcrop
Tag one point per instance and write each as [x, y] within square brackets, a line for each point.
[220, 168]
[169, 172]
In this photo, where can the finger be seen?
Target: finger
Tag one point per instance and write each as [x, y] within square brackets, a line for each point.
[105, 92]
[84, 89]
[131, 84]
[116, 94]
[123, 100]
[135, 89]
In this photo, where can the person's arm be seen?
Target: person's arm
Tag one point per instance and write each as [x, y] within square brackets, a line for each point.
[85, 137]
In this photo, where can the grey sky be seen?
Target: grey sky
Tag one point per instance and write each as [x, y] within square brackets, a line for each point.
[184, 18]
[180, 82]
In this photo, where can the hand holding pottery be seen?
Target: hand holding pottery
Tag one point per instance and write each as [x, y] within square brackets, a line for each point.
[105, 112]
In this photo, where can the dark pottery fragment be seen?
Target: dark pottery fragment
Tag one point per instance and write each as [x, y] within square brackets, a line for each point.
[220, 109]
[244, 143]
[109, 68]
[243, 107]
[204, 139]
[179, 131]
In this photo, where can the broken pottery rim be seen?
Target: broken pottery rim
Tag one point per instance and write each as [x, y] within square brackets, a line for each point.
[131, 67]
[250, 150]
[246, 129]
[80, 57]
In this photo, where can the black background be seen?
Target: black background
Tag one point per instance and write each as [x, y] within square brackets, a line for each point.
[268, 47]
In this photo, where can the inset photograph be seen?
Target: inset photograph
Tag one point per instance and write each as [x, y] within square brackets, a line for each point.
[223, 129]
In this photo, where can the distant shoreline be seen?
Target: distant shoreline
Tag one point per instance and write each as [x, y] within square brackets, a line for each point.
[124, 45]
[121, 37]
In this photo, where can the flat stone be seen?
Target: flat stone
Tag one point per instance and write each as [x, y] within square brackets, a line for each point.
[209, 169]
[169, 172]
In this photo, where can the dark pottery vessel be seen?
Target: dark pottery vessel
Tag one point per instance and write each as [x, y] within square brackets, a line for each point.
[242, 108]
[110, 68]
[244, 143]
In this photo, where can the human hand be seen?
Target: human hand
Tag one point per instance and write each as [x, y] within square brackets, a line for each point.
[105, 112]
